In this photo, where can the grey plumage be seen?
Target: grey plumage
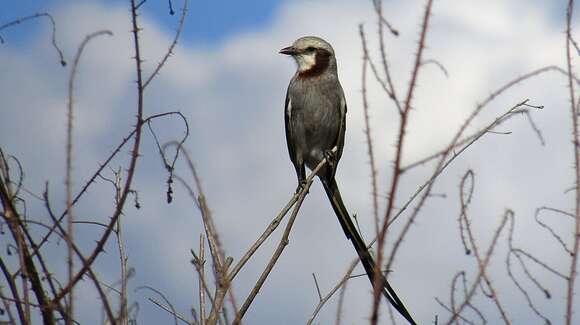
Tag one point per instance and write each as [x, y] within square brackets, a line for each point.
[315, 119]
[315, 106]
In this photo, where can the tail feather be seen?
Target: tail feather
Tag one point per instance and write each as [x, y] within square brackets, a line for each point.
[367, 260]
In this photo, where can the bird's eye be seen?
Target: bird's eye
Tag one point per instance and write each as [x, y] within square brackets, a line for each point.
[310, 49]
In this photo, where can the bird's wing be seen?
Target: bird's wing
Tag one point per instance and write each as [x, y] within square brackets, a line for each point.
[342, 129]
[339, 141]
[287, 117]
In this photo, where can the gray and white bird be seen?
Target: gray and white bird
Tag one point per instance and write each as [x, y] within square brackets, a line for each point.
[315, 119]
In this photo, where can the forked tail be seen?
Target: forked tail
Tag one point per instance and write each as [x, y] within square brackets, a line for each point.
[361, 249]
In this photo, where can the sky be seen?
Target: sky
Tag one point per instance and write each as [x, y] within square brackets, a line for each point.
[229, 81]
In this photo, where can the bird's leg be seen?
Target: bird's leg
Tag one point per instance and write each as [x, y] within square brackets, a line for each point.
[301, 173]
[330, 162]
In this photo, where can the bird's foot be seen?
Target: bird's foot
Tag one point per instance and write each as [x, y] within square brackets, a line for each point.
[301, 186]
[330, 157]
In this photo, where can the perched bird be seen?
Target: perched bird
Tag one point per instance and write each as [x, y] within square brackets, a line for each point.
[315, 119]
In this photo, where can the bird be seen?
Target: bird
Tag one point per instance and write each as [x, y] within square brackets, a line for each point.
[315, 123]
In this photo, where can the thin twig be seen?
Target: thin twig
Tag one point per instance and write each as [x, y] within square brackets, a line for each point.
[132, 164]
[367, 132]
[29, 271]
[340, 307]
[68, 166]
[220, 262]
[265, 235]
[482, 266]
[469, 179]
[98, 172]
[376, 4]
[452, 312]
[170, 167]
[549, 229]
[13, 290]
[528, 274]
[281, 245]
[438, 65]
[478, 108]
[37, 15]
[390, 84]
[171, 311]
[444, 161]
[396, 174]
[80, 256]
[7, 308]
[576, 150]
[317, 287]
[123, 307]
[347, 276]
[201, 271]
[171, 46]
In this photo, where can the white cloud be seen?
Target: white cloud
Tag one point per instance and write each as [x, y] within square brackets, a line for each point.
[233, 96]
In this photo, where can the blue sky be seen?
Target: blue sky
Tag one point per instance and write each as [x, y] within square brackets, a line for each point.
[227, 78]
[208, 22]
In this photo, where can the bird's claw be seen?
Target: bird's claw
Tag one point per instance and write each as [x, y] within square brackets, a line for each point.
[329, 155]
[301, 186]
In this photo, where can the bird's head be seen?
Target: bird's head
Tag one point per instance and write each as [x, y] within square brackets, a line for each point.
[313, 55]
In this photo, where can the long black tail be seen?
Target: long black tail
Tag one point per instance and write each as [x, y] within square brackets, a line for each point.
[359, 245]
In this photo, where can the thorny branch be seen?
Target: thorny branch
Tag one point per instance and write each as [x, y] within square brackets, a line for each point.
[576, 150]
[99, 171]
[465, 197]
[367, 131]
[132, 164]
[171, 46]
[404, 118]
[223, 273]
[282, 244]
[482, 266]
[68, 177]
[518, 254]
[33, 270]
[31, 17]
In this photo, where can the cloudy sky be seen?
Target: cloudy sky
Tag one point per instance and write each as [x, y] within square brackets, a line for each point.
[228, 79]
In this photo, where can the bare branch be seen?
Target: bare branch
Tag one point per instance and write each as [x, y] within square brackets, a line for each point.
[170, 167]
[171, 46]
[281, 245]
[171, 311]
[97, 174]
[438, 65]
[37, 15]
[552, 232]
[339, 285]
[340, 303]
[456, 142]
[482, 266]
[576, 149]
[396, 174]
[367, 131]
[317, 287]
[68, 177]
[469, 179]
[167, 303]
[132, 164]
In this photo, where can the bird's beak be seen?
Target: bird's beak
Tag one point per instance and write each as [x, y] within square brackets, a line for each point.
[290, 50]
